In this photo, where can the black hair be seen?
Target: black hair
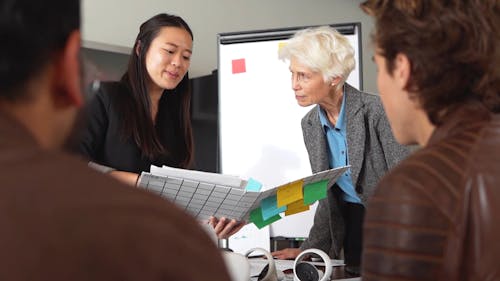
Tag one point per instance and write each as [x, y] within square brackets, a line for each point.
[32, 33]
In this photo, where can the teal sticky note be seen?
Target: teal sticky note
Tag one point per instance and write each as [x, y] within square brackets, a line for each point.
[270, 208]
[256, 218]
[253, 185]
[315, 191]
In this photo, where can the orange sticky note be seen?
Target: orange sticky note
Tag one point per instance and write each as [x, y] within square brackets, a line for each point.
[296, 207]
[289, 193]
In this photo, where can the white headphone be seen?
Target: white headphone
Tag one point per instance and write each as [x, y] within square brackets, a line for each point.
[271, 274]
[304, 271]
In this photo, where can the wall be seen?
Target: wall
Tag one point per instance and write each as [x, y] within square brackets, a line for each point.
[113, 24]
[103, 65]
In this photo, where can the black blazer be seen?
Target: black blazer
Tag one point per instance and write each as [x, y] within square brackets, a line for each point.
[101, 140]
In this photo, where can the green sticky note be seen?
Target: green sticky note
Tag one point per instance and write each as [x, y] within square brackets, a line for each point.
[315, 191]
[257, 218]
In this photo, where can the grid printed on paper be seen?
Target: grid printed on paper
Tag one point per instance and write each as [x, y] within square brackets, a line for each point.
[200, 199]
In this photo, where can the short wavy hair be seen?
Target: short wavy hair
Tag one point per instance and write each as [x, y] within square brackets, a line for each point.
[453, 47]
[322, 49]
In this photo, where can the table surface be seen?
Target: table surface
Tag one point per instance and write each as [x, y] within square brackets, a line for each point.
[338, 271]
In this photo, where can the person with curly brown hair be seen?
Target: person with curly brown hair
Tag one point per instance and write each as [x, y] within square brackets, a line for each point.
[435, 215]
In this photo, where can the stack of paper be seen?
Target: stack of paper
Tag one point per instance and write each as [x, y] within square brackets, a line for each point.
[205, 194]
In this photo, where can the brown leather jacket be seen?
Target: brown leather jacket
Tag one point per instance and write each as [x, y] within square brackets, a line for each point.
[437, 215]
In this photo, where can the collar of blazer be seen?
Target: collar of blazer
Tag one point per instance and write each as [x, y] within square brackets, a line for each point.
[316, 142]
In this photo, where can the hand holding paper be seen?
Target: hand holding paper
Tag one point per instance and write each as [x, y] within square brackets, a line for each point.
[224, 227]
[212, 196]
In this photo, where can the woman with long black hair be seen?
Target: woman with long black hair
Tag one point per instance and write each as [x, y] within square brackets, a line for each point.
[143, 119]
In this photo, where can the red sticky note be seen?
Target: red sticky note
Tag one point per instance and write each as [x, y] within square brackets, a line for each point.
[239, 66]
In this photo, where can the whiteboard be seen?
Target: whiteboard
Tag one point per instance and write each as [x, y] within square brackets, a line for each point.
[260, 135]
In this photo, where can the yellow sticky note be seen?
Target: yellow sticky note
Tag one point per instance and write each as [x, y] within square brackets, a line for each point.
[289, 193]
[296, 207]
[281, 45]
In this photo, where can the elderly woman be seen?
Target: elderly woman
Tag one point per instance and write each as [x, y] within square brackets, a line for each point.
[346, 127]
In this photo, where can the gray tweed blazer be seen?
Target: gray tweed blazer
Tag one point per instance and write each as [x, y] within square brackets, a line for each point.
[372, 151]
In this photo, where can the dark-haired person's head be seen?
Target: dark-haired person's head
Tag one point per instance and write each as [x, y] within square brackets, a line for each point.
[33, 33]
[39, 65]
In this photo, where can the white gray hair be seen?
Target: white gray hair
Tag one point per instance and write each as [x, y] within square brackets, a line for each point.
[322, 49]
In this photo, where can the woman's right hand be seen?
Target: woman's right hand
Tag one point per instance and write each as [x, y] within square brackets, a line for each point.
[125, 177]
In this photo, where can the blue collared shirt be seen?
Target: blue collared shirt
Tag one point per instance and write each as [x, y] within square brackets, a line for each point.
[337, 151]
